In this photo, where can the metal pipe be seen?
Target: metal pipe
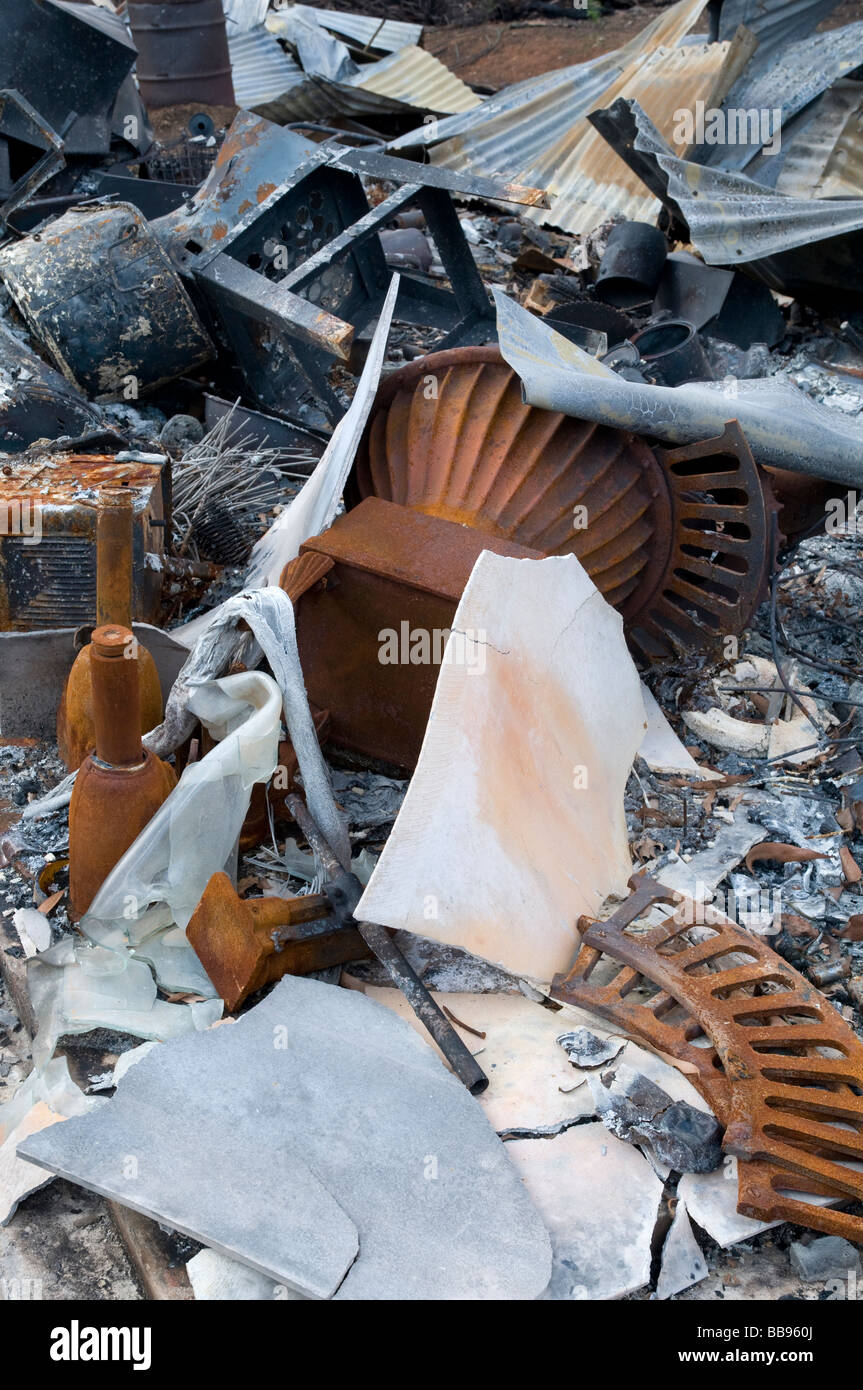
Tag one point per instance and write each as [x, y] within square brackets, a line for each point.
[114, 557]
[344, 891]
[116, 697]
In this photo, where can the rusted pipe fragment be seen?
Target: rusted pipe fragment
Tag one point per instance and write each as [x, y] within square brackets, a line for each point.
[120, 786]
[344, 892]
[114, 557]
[244, 944]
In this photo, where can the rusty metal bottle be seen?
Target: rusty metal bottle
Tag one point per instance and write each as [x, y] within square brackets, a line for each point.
[121, 785]
[75, 726]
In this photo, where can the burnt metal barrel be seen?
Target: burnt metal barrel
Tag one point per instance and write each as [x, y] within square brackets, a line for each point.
[182, 52]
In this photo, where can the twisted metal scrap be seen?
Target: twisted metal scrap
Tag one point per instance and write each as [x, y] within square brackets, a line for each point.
[781, 1069]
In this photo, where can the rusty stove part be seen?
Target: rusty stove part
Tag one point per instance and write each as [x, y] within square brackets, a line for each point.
[244, 944]
[381, 569]
[722, 552]
[53, 584]
[120, 786]
[76, 734]
[345, 891]
[782, 1070]
[683, 558]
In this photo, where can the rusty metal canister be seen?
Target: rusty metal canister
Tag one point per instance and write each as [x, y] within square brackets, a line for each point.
[182, 52]
[121, 785]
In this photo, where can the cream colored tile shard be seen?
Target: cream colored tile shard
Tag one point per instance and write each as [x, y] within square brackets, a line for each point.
[530, 1077]
[599, 1200]
[513, 824]
[17, 1177]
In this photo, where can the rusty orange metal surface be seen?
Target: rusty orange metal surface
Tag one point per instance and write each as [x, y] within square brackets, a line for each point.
[677, 540]
[53, 584]
[120, 786]
[75, 718]
[244, 944]
[451, 436]
[392, 571]
[782, 1071]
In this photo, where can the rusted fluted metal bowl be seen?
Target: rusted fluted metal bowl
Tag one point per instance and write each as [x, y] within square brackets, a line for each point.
[679, 548]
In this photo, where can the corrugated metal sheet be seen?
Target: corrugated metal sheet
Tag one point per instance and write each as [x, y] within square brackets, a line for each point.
[795, 77]
[405, 82]
[586, 182]
[773, 22]
[731, 219]
[260, 68]
[382, 36]
[420, 79]
[512, 128]
[826, 159]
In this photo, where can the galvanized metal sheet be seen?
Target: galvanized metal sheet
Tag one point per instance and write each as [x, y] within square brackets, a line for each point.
[586, 183]
[510, 131]
[826, 159]
[769, 99]
[411, 80]
[260, 68]
[380, 35]
[774, 23]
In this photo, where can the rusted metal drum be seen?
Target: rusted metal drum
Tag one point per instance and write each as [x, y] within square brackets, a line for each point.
[182, 52]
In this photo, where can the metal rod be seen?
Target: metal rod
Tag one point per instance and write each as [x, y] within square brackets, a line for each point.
[344, 891]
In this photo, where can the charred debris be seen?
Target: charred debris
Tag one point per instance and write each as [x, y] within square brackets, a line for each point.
[430, 592]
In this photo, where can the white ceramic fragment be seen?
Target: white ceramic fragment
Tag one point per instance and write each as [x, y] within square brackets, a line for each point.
[599, 1199]
[663, 751]
[513, 824]
[683, 1263]
[44, 1098]
[529, 1075]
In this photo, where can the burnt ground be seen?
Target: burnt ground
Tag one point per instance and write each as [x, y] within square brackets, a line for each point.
[495, 53]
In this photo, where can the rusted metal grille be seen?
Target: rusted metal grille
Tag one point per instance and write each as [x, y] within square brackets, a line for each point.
[781, 1069]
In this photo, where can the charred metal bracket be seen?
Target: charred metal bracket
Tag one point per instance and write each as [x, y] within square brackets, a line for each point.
[781, 1069]
[300, 267]
[23, 133]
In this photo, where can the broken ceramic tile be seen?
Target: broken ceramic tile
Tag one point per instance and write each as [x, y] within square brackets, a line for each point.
[45, 1098]
[599, 1199]
[529, 1078]
[331, 1101]
[520, 719]
[683, 1263]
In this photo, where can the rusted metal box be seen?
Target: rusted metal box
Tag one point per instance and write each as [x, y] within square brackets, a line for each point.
[371, 634]
[48, 538]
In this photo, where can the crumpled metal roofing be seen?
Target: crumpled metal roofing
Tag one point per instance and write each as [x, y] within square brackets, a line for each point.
[402, 82]
[585, 183]
[825, 160]
[261, 70]
[784, 428]
[773, 22]
[795, 77]
[511, 130]
[382, 36]
[731, 220]
[418, 78]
